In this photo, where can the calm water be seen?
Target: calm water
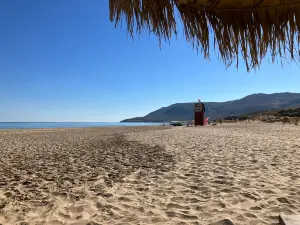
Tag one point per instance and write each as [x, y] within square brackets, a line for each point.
[19, 125]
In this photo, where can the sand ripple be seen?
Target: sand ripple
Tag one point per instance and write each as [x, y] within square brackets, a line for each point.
[49, 169]
[229, 174]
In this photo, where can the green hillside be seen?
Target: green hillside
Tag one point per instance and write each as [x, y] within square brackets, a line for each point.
[215, 110]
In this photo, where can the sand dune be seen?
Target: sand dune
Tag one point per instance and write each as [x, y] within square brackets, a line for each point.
[229, 174]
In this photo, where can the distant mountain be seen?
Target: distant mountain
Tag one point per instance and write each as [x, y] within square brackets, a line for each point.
[215, 110]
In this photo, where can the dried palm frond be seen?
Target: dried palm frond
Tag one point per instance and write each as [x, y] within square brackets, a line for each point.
[247, 28]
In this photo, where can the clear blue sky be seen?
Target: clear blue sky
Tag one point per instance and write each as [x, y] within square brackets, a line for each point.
[63, 60]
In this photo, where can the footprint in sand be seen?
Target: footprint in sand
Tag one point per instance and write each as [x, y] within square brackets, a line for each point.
[249, 215]
[124, 199]
[256, 208]
[177, 199]
[76, 209]
[181, 216]
[213, 205]
[158, 219]
[177, 206]
[56, 222]
[283, 200]
[223, 222]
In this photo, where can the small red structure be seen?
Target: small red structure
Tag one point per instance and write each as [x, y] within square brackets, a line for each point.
[199, 110]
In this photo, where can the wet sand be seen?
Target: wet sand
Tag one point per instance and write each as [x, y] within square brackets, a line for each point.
[245, 173]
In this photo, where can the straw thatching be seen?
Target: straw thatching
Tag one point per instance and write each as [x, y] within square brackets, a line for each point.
[247, 28]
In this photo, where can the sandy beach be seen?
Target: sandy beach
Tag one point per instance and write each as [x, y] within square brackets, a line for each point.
[227, 174]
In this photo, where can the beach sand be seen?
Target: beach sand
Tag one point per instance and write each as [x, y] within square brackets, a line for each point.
[231, 173]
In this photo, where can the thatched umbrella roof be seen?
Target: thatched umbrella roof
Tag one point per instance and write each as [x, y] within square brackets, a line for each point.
[247, 28]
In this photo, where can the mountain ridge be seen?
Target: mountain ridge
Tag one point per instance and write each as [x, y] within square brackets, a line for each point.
[215, 110]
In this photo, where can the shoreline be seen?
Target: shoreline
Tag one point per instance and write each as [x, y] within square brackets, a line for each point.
[66, 125]
[105, 130]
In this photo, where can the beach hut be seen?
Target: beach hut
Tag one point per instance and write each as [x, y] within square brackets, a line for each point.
[239, 30]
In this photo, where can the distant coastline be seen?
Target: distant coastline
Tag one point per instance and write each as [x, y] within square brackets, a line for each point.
[142, 120]
[217, 110]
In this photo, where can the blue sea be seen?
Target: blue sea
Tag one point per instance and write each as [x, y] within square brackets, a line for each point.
[30, 125]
